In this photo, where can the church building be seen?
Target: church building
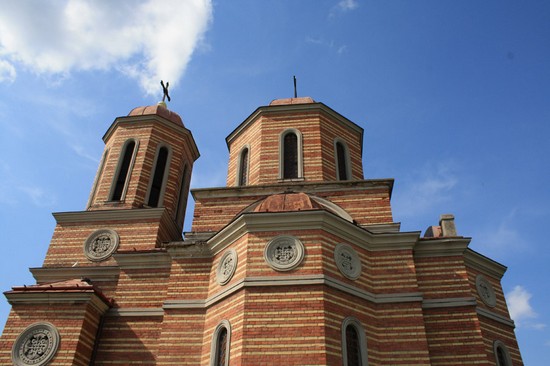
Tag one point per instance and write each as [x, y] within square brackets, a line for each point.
[296, 261]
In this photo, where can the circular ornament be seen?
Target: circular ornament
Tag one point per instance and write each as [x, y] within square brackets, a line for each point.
[226, 267]
[36, 345]
[347, 261]
[101, 244]
[486, 291]
[284, 253]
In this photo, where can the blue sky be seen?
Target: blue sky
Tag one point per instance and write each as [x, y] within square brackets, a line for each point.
[453, 97]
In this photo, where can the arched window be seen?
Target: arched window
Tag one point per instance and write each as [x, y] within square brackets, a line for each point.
[182, 199]
[98, 178]
[502, 355]
[124, 169]
[221, 340]
[291, 154]
[243, 167]
[354, 344]
[156, 188]
[342, 161]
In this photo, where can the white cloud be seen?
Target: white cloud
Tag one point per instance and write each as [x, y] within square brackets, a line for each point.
[348, 4]
[521, 310]
[503, 237]
[426, 190]
[147, 40]
[7, 72]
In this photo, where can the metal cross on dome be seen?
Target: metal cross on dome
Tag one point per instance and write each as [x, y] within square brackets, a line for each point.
[165, 90]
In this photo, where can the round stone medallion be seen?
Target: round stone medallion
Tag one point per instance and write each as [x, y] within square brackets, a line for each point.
[284, 253]
[347, 261]
[36, 345]
[101, 244]
[486, 291]
[226, 267]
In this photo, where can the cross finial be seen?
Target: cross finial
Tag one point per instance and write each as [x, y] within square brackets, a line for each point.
[165, 90]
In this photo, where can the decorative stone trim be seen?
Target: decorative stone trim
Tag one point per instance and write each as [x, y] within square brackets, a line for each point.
[226, 267]
[101, 244]
[36, 345]
[224, 324]
[347, 261]
[486, 291]
[284, 253]
[362, 340]
[506, 360]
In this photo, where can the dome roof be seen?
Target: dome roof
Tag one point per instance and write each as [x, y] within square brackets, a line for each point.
[301, 100]
[158, 110]
[291, 202]
[286, 202]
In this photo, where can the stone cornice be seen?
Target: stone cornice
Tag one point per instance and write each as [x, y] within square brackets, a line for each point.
[141, 312]
[441, 247]
[292, 281]
[448, 302]
[483, 264]
[96, 273]
[109, 215]
[142, 260]
[496, 317]
[306, 187]
[45, 297]
[311, 220]
[293, 108]
[180, 129]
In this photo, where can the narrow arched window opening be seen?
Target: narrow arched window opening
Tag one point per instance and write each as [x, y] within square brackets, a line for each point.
[123, 171]
[501, 354]
[221, 347]
[352, 346]
[290, 156]
[182, 199]
[354, 343]
[243, 168]
[342, 161]
[221, 339]
[158, 178]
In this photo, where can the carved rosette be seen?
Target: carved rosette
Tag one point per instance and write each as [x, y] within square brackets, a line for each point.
[347, 261]
[226, 267]
[36, 345]
[486, 291]
[101, 244]
[284, 253]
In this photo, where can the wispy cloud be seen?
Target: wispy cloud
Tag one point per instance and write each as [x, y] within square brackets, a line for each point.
[503, 236]
[331, 45]
[7, 72]
[14, 191]
[347, 5]
[146, 40]
[521, 310]
[427, 189]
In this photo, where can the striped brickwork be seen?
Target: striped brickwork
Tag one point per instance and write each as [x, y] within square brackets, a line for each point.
[181, 338]
[77, 326]
[318, 131]
[159, 298]
[443, 277]
[454, 336]
[233, 311]
[214, 208]
[149, 136]
[141, 288]
[129, 340]
[284, 326]
[492, 329]
[67, 245]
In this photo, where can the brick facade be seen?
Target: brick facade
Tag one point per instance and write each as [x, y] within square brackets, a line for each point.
[158, 298]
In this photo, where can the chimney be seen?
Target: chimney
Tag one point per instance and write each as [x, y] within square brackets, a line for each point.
[447, 224]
